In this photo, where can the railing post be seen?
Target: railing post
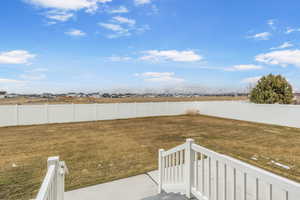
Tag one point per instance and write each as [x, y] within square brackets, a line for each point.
[189, 167]
[160, 170]
[55, 161]
[61, 180]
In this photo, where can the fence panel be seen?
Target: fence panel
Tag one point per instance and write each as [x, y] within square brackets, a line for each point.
[9, 115]
[84, 112]
[286, 115]
[126, 110]
[35, 114]
[107, 111]
[61, 113]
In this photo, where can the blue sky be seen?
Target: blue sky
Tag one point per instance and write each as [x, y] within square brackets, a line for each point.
[92, 45]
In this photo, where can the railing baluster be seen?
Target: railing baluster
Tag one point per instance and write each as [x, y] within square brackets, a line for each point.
[234, 184]
[203, 173]
[245, 187]
[50, 191]
[286, 195]
[177, 167]
[209, 177]
[166, 169]
[169, 169]
[196, 171]
[160, 170]
[225, 182]
[257, 189]
[271, 192]
[173, 167]
[181, 165]
[217, 180]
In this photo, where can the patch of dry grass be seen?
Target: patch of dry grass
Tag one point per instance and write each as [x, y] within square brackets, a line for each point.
[86, 100]
[97, 152]
[192, 112]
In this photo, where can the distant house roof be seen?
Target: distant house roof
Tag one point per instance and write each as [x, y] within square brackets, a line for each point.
[2, 92]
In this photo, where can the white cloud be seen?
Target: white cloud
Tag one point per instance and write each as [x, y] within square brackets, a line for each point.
[172, 55]
[251, 80]
[33, 77]
[119, 58]
[124, 20]
[121, 9]
[57, 15]
[284, 46]
[12, 84]
[89, 5]
[16, 57]
[261, 36]
[75, 32]
[63, 10]
[118, 29]
[122, 26]
[244, 67]
[162, 77]
[142, 29]
[291, 30]
[113, 27]
[154, 10]
[271, 23]
[38, 70]
[34, 74]
[282, 58]
[5, 81]
[141, 2]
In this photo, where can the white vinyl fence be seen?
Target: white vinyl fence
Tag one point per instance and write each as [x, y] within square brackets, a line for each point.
[61, 113]
[196, 171]
[11, 115]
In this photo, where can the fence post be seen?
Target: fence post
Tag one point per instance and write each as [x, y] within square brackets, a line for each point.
[135, 110]
[160, 170]
[96, 111]
[73, 112]
[167, 112]
[17, 114]
[46, 113]
[55, 161]
[116, 111]
[189, 167]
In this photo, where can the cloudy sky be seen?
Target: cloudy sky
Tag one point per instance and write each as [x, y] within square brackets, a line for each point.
[90, 45]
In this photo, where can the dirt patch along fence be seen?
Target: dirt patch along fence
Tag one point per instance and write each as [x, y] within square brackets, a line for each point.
[11, 115]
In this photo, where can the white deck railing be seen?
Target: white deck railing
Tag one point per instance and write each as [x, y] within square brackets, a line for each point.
[207, 175]
[53, 184]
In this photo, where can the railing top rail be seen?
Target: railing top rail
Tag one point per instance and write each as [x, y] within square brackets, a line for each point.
[46, 183]
[173, 150]
[256, 172]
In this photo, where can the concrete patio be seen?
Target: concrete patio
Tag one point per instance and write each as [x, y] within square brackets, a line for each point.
[140, 187]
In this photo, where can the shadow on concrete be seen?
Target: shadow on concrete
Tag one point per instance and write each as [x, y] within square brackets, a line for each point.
[166, 196]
